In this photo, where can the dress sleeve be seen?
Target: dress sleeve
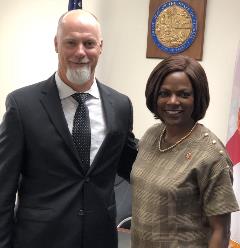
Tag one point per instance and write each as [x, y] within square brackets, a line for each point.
[216, 189]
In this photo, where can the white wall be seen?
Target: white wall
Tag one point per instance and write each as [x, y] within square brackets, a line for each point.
[27, 52]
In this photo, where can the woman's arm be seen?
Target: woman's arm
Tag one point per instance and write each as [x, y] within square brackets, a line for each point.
[220, 225]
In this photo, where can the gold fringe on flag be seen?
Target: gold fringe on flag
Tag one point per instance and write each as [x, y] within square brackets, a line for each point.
[233, 244]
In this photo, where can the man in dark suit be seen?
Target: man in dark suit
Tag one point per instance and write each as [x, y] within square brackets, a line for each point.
[62, 203]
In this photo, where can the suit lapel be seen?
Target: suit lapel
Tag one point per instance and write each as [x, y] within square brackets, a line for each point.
[110, 118]
[52, 104]
[108, 107]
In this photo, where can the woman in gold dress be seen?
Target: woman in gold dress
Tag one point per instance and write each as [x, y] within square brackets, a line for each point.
[182, 177]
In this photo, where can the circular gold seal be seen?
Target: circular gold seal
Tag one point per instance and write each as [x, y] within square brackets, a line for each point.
[174, 26]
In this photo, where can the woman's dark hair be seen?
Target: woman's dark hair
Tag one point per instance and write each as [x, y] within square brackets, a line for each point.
[196, 75]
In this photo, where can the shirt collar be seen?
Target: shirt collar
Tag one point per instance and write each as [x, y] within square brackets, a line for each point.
[66, 91]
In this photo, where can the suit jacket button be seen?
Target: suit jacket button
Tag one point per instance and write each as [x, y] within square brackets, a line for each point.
[81, 212]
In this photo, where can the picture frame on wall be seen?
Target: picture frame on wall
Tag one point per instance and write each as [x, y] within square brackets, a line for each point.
[176, 27]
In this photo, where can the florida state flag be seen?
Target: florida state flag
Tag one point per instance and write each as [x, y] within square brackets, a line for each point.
[74, 4]
[233, 148]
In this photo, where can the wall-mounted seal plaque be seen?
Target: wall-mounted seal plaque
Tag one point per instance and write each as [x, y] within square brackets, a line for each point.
[176, 26]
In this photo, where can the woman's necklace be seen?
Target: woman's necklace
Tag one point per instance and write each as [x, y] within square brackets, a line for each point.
[174, 145]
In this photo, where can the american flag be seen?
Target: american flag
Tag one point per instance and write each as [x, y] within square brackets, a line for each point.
[74, 4]
[233, 148]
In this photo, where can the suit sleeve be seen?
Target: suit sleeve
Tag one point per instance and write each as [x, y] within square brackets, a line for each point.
[11, 154]
[129, 152]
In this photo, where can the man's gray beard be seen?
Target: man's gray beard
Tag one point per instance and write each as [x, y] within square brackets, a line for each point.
[79, 76]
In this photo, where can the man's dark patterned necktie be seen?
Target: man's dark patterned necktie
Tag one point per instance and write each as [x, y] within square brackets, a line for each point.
[81, 132]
